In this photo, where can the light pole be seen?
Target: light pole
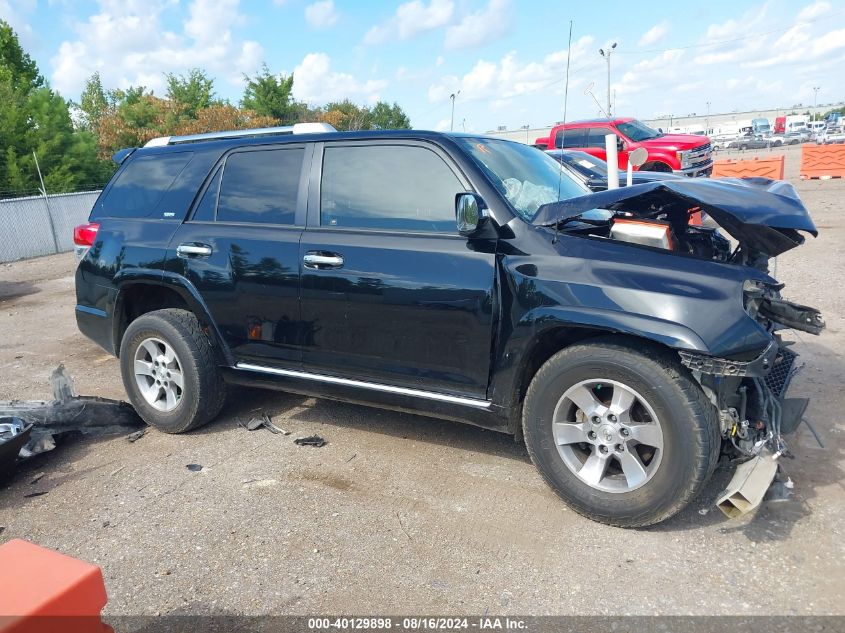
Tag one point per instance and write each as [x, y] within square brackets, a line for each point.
[526, 127]
[707, 120]
[606, 55]
[815, 101]
[452, 97]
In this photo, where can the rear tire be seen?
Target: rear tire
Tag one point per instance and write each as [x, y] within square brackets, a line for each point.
[170, 372]
[639, 482]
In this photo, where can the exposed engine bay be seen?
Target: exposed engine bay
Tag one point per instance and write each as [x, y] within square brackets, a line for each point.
[764, 218]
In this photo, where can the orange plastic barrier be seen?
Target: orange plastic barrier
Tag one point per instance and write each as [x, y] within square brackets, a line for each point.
[759, 167]
[42, 590]
[822, 161]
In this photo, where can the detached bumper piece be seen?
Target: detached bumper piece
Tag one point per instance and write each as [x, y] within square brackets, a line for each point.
[792, 315]
[724, 367]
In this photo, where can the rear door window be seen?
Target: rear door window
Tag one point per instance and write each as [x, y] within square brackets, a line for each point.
[595, 136]
[400, 187]
[140, 186]
[571, 138]
[260, 186]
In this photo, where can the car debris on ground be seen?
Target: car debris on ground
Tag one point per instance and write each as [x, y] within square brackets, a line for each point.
[31, 427]
[137, 435]
[312, 440]
[263, 421]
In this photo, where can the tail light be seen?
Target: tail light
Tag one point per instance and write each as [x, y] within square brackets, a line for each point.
[83, 238]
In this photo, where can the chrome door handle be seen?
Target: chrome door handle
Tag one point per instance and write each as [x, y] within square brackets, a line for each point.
[322, 260]
[197, 250]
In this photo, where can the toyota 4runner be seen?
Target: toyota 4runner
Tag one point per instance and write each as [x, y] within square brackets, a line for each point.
[461, 277]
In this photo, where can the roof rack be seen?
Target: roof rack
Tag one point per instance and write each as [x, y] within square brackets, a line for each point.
[296, 128]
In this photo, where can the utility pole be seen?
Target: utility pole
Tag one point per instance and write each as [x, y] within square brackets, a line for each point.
[815, 101]
[452, 97]
[606, 55]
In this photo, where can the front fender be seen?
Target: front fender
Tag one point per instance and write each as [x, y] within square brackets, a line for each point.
[658, 330]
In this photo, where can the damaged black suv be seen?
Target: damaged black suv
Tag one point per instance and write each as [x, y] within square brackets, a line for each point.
[462, 277]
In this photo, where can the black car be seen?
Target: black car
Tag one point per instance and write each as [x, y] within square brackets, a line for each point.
[592, 171]
[461, 277]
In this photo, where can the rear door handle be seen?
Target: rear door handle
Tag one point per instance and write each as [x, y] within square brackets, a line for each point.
[193, 249]
[321, 259]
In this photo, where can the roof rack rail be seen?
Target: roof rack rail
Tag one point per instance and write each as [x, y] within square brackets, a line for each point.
[296, 128]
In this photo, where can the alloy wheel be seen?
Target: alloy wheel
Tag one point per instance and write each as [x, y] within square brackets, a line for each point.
[608, 435]
[158, 374]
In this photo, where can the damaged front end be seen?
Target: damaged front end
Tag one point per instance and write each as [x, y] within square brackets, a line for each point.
[765, 218]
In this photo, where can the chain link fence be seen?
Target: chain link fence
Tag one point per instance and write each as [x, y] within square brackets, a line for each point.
[34, 226]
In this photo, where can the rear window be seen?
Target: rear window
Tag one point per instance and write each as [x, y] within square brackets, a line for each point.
[140, 186]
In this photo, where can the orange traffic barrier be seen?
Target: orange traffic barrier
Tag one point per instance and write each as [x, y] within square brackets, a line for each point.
[42, 590]
[822, 161]
[759, 167]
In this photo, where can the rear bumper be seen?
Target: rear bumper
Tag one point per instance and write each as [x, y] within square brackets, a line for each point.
[96, 324]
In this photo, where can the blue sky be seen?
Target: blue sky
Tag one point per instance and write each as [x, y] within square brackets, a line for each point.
[507, 57]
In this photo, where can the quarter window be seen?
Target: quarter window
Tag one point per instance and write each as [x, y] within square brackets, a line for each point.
[205, 209]
[398, 187]
[141, 185]
[260, 186]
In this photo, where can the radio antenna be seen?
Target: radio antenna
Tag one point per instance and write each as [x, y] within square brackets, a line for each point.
[563, 131]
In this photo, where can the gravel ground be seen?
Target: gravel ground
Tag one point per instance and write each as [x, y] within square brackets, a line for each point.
[406, 514]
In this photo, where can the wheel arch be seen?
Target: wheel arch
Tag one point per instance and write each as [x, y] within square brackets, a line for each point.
[656, 165]
[141, 294]
[562, 332]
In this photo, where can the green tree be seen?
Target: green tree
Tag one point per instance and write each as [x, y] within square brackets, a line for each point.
[23, 70]
[346, 115]
[195, 90]
[383, 116]
[93, 104]
[270, 95]
[34, 118]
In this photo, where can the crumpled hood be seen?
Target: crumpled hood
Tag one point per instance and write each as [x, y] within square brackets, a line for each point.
[765, 214]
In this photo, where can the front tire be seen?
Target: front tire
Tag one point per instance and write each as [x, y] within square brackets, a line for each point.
[623, 437]
[169, 371]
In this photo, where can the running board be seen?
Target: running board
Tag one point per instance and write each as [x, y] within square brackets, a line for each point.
[361, 384]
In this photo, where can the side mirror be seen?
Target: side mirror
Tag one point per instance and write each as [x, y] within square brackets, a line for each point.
[620, 145]
[471, 215]
[660, 129]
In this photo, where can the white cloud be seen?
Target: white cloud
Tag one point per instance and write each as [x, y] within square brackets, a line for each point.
[481, 26]
[510, 77]
[654, 34]
[321, 15]
[127, 43]
[316, 82]
[813, 11]
[411, 19]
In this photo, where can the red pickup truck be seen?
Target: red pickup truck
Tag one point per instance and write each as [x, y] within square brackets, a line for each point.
[684, 154]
